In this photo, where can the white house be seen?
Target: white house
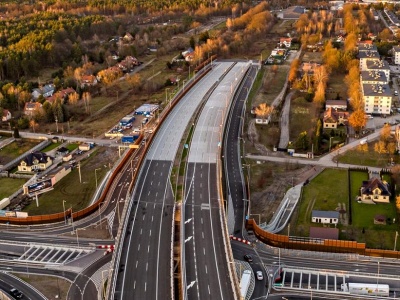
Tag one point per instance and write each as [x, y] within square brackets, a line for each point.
[287, 42]
[325, 217]
[377, 98]
[46, 91]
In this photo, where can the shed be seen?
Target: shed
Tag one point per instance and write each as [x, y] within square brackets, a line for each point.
[62, 151]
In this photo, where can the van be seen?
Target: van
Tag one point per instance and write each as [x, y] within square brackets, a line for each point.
[363, 141]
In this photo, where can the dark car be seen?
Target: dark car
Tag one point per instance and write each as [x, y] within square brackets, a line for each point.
[16, 294]
[248, 258]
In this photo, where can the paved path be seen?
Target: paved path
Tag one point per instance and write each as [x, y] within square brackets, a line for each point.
[284, 139]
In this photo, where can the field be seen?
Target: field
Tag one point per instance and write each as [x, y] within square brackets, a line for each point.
[51, 147]
[15, 149]
[369, 158]
[328, 191]
[77, 195]
[8, 186]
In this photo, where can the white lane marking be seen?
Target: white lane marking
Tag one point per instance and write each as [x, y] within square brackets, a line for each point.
[144, 216]
[201, 220]
[145, 286]
[202, 234]
[151, 183]
[206, 270]
[148, 248]
[138, 248]
[137, 263]
[147, 266]
[204, 251]
[134, 285]
[148, 194]
[152, 217]
[209, 290]
[150, 231]
[141, 229]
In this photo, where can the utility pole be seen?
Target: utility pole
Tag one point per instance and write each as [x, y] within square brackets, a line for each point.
[79, 169]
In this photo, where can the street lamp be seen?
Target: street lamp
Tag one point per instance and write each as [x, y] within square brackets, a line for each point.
[95, 174]
[330, 143]
[166, 96]
[65, 219]
[395, 240]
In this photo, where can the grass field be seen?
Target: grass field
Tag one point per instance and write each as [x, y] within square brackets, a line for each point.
[303, 117]
[77, 195]
[15, 149]
[9, 186]
[369, 158]
[51, 147]
[336, 86]
[324, 192]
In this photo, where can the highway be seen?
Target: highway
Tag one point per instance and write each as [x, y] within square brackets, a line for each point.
[207, 270]
[145, 268]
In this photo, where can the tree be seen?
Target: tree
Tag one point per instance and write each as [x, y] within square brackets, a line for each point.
[86, 97]
[294, 66]
[73, 98]
[380, 147]
[33, 124]
[263, 110]
[357, 120]
[16, 132]
[385, 133]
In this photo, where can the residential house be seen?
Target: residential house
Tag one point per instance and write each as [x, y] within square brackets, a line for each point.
[378, 65]
[325, 217]
[6, 115]
[366, 46]
[263, 120]
[396, 54]
[287, 42]
[336, 104]
[35, 161]
[377, 98]
[365, 56]
[333, 118]
[62, 95]
[375, 191]
[31, 108]
[62, 151]
[88, 80]
[128, 63]
[188, 55]
[373, 77]
[45, 91]
[128, 37]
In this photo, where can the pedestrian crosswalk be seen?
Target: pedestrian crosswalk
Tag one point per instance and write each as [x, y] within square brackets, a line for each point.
[52, 254]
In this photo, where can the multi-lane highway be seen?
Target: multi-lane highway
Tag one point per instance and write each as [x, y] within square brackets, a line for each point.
[207, 270]
[145, 266]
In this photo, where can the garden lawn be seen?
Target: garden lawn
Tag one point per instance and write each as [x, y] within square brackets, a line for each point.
[8, 186]
[324, 192]
[15, 149]
[72, 147]
[374, 235]
[77, 195]
[51, 147]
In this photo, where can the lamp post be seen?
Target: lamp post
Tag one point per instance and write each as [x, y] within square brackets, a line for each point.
[56, 124]
[65, 219]
[95, 174]
[395, 240]
[330, 143]
[166, 96]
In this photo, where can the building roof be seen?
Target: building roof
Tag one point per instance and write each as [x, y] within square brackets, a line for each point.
[373, 75]
[396, 49]
[293, 12]
[369, 186]
[324, 233]
[62, 150]
[332, 214]
[374, 64]
[368, 54]
[32, 105]
[367, 47]
[377, 90]
[40, 156]
[336, 103]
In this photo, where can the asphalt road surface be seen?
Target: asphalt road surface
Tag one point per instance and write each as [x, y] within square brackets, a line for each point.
[145, 270]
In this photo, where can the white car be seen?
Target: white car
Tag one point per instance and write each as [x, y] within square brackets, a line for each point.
[259, 275]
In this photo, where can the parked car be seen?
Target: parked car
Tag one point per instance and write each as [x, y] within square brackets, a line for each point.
[248, 258]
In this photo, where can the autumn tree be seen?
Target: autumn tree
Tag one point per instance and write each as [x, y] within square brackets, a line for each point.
[86, 97]
[263, 110]
[380, 147]
[294, 66]
[33, 124]
[385, 133]
[73, 98]
[357, 120]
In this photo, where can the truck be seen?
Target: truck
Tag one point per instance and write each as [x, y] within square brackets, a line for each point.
[245, 283]
[129, 139]
[366, 289]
